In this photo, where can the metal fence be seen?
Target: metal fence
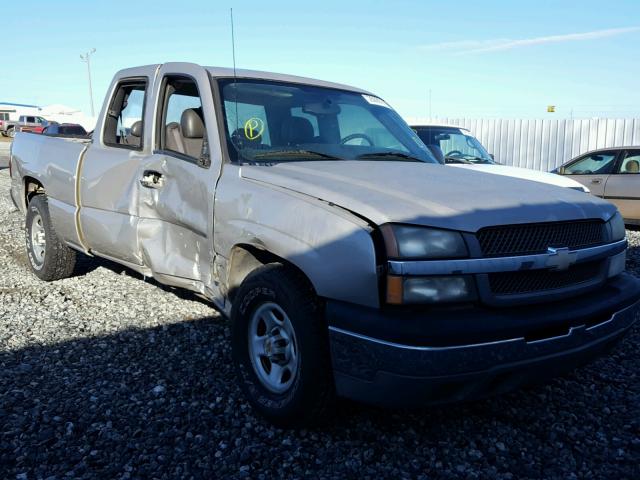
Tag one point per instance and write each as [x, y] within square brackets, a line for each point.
[546, 144]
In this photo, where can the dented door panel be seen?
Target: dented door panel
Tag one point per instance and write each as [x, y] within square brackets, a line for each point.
[108, 199]
[175, 218]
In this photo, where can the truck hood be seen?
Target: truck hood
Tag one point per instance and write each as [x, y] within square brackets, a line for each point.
[429, 194]
[526, 174]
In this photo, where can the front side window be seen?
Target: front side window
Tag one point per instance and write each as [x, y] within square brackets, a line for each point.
[592, 164]
[630, 163]
[31, 119]
[456, 145]
[268, 121]
[123, 126]
[182, 125]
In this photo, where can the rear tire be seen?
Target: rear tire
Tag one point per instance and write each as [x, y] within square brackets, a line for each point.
[11, 132]
[294, 342]
[50, 259]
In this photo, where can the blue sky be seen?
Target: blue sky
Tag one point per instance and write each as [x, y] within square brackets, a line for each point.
[479, 59]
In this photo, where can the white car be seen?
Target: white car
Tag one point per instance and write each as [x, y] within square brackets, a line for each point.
[456, 146]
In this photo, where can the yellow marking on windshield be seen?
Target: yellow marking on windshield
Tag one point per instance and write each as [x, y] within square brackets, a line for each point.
[253, 128]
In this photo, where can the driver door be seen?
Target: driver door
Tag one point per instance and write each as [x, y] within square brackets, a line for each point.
[592, 170]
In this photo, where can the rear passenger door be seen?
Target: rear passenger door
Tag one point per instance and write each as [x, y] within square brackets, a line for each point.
[109, 174]
[592, 170]
[178, 180]
[623, 185]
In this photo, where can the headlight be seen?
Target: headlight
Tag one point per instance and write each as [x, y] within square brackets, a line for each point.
[404, 290]
[616, 227]
[404, 242]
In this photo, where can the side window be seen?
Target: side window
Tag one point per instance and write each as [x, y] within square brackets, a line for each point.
[631, 162]
[182, 127]
[248, 124]
[123, 126]
[592, 164]
[31, 120]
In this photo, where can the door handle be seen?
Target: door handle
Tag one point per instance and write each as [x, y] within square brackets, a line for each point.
[151, 179]
[596, 181]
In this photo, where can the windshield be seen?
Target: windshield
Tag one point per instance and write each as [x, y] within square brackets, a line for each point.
[456, 145]
[267, 121]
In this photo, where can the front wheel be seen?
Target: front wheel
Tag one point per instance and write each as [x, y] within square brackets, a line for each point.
[281, 347]
[50, 258]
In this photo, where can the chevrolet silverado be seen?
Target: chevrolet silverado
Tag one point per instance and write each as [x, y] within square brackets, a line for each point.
[349, 261]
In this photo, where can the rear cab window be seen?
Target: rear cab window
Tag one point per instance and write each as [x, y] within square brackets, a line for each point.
[124, 123]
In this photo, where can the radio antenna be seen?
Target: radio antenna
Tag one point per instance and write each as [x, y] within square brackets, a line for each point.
[235, 77]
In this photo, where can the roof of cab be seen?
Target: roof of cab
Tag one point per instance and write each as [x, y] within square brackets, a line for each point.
[225, 72]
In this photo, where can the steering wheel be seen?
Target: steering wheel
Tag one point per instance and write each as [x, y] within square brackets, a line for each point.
[455, 153]
[353, 136]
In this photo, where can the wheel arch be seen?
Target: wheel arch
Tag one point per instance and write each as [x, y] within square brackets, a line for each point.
[245, 258]
[32, 187]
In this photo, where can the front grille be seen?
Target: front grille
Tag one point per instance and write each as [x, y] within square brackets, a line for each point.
[537, 237]
[511, 283]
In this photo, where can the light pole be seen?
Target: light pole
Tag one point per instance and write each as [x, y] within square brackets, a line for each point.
[87, 59]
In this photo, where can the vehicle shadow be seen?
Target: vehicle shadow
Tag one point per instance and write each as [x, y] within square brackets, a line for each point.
[86, 264]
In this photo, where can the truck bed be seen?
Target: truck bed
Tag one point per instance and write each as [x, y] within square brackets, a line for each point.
[39, 157]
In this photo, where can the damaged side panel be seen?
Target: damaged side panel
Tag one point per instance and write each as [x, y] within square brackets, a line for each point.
[109, 198]
[176, 226]
[332, 247]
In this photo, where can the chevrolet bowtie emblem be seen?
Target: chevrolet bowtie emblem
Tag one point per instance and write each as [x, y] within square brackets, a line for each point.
[560, 258]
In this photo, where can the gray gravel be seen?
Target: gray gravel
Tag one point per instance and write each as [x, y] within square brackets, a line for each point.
[107, 376]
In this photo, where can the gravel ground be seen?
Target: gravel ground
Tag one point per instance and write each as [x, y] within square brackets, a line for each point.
[106, 375]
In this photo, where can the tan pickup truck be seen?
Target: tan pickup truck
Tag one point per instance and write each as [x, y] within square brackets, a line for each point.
[349, 261]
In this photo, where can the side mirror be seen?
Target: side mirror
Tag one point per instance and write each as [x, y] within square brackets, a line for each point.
[561, 171]
[493, 157]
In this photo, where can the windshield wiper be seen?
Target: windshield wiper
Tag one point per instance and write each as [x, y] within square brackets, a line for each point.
[295, 153]
[457, 160]
[384, 155]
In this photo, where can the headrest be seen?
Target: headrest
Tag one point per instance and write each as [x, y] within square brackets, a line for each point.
[437, 152]
[296, 130]
[136, 129]
[632, 166]
[192, 124]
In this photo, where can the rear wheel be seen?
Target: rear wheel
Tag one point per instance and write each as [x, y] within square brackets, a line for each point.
[50, 259]
[281, 347]
[11, 132]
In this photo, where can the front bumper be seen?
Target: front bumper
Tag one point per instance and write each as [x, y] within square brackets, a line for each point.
[382, 371]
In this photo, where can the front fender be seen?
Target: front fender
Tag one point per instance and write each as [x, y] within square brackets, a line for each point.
[332, 247]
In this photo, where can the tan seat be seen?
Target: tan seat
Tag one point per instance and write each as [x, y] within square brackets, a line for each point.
[173, 138]
[135, 134]
[632, 166]
[188, 136]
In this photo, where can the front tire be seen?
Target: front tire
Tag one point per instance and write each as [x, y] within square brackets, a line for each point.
[281, 347]
[49, 258]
